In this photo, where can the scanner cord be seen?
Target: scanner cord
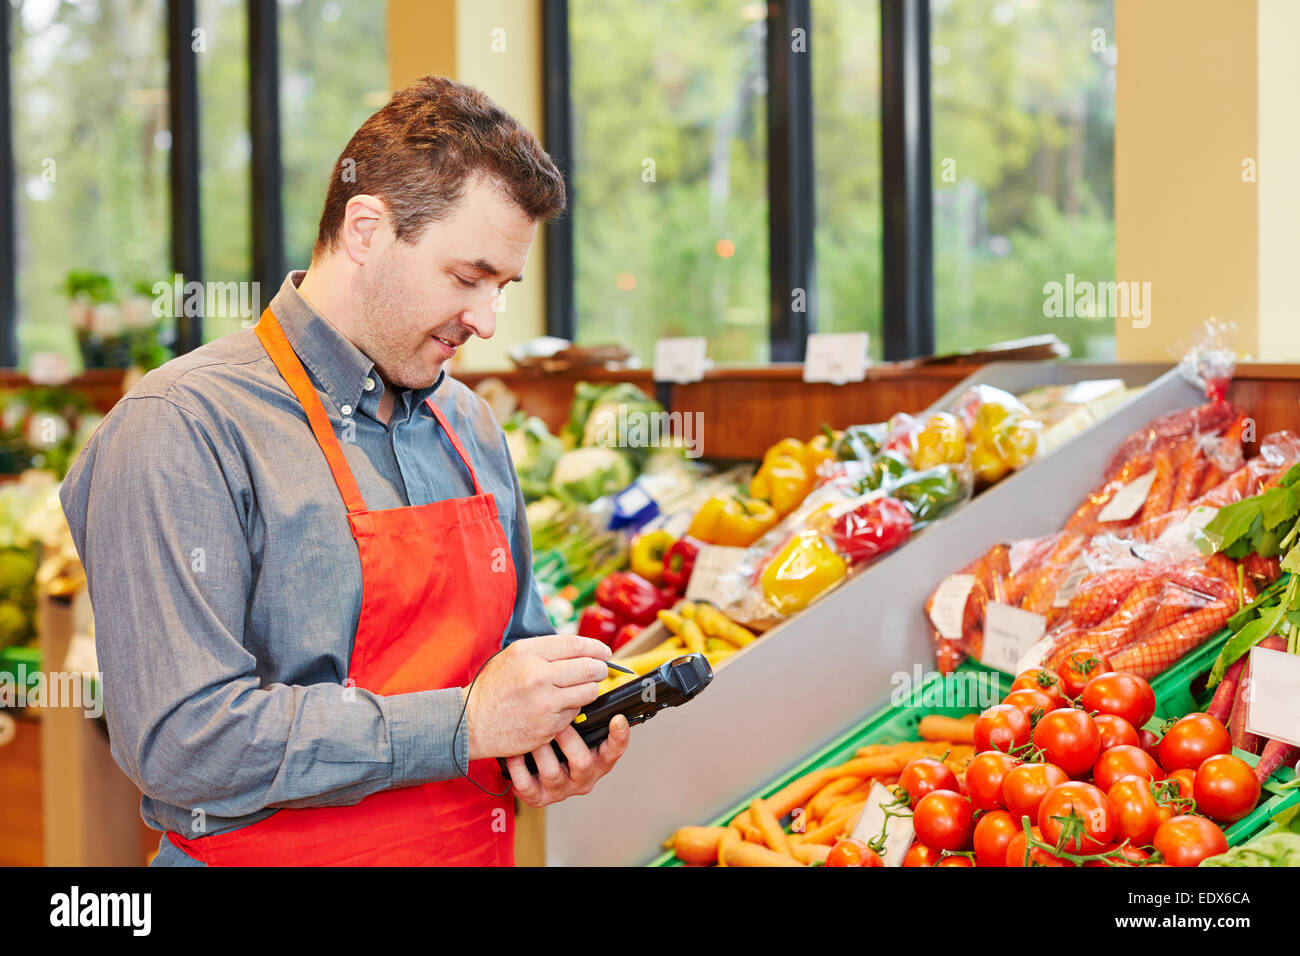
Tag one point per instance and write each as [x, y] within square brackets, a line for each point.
[464, 771]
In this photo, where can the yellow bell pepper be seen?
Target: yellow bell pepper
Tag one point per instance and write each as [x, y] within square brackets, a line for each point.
[942, 441]
[784, 480]
[820, 449]
[734, 522]
[786, 446]
[802, 570]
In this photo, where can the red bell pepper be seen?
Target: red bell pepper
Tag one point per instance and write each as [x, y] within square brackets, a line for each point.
[600, 623]
[630, 596]
[679, 562]
[626, 633]
[872, 528]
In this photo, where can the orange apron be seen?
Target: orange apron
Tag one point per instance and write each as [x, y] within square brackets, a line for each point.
[438, 589]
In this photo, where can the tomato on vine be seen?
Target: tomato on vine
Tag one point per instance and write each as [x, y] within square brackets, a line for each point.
[925, 775]
[1124, 695]
[1001, 727]
[944, 820]
[1077, 817]
[1191, 740]
[1080, 667]
[1068, 738]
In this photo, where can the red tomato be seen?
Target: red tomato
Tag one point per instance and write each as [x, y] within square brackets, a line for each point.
[1115, 731]
[1137, 815]
[851, 852]
[1024, 786]
[1030, 702]
[1187, 840]
[1149, 742]
[925, 775]
[993, 834]
[1127, 856]
[1124, 695]
[1039, 857]
[1068, 738]
[944, 820]
[984, 778]
[1096, 818]
[1041, 679]
[1080, 667]
[1186, 782]
[1225, 788]
[955, 861]
[1193, 738]
[1001, 727]
[921, 855]
[1123, 761]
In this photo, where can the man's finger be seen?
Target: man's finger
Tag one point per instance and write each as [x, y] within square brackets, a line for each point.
[549, 770]
[576, 670]
[582, 763]
[614, 746]
[526, 786]
[560, 647]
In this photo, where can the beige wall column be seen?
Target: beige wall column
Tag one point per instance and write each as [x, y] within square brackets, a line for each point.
[496, 46]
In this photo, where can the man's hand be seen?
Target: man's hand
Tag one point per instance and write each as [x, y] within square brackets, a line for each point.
[530, 692]
[557, 781]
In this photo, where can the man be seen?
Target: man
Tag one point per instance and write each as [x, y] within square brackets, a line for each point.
[303, 541]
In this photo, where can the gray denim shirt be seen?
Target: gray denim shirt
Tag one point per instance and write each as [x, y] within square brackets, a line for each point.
[226, 584]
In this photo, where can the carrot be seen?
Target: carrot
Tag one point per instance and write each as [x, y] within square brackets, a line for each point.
[696, 844]
[819, 804]
[752, 854]
[1275, 754]
[793, 794]
[937, 727]
[810, 853]
[1221, 705]
[773, 834]
[875, 766]
[729, 839]
[843, 821]
[1159, 648]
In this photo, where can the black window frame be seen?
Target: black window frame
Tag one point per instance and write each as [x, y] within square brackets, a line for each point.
[907, 248]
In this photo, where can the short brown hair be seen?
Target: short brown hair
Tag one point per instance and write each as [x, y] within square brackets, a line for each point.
[419, 152]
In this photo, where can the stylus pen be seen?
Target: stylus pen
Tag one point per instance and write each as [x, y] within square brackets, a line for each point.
[620, 667]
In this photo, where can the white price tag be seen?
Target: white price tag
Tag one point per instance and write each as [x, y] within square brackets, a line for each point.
[899, 832]
[713, 563]
[836, 357]
[1035, 656]
[1129, 500]
[48, 368]
[1273, 708]
[949, 604]
[1008, 633]
[680, 360]
[1073, 578]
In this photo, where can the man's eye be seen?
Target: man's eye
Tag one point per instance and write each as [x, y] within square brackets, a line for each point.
[466, 282]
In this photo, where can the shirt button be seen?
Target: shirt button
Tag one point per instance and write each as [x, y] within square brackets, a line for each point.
[346, 409]
[370, 385]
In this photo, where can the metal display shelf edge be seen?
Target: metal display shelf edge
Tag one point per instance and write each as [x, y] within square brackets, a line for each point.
[814, 677]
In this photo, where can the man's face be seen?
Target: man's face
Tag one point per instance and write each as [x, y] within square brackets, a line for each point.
[416, 303]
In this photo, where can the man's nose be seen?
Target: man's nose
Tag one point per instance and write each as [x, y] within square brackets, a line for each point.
[482, 321]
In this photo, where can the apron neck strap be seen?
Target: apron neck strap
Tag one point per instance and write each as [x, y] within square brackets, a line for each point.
[286, 360]
[455, 442]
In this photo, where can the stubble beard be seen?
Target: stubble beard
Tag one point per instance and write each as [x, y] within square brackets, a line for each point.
[379, 326]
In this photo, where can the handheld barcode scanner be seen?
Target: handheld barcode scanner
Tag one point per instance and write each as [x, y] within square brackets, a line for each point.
[669, 685]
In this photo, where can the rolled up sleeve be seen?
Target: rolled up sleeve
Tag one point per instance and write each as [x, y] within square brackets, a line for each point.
[159, 513]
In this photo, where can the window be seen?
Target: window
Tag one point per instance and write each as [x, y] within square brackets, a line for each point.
[225, 187]
[670, 174]
[333, 76]
[1023, 101]
[90, 142]
[845, 48]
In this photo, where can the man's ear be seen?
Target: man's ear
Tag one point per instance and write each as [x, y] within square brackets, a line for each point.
[364, 219]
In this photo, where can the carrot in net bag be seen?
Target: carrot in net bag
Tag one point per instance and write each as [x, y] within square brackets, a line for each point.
[1161, 647]
[988, 573]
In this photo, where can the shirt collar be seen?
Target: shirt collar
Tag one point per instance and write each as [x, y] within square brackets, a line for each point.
[338, 366]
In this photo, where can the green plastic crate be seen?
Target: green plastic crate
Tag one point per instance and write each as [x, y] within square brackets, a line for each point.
[1181, 689]
[12, 657]
[892, 724]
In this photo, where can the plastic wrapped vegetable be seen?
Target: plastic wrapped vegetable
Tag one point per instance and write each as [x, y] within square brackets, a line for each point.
[864, 530]
[732, 521]
[803, 570]
[534, 451]
[585, 474]
[930, 493]
[941, 442]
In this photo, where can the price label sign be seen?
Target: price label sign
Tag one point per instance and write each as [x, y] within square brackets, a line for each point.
[1273, 708]
[1129, 500]
[949, 604]
[898, 830]
[712, 565]
[680, 360]
[1009, 632]
[836, 357]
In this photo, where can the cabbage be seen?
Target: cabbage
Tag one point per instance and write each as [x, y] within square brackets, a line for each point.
[534, 451]
[585, 474]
